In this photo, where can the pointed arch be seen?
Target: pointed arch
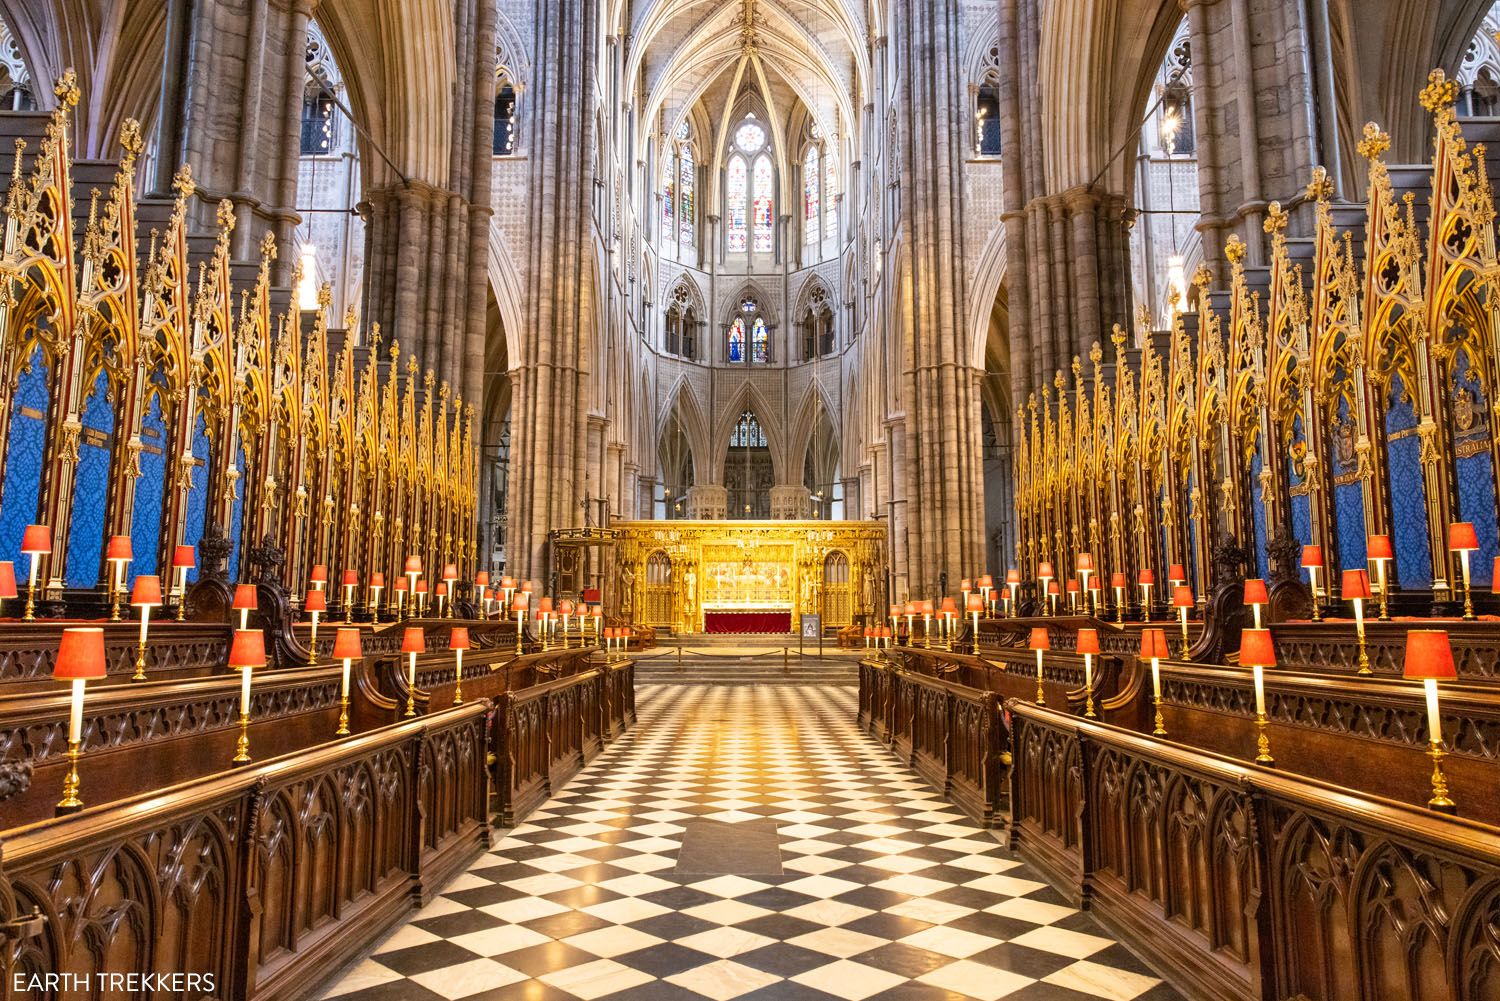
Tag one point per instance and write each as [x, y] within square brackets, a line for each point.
[681, 403]
[748, 397]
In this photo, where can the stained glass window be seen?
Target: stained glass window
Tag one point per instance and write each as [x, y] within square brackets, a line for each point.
[668, 198]
[145, 525]
[764, 230]
[760, 344]
[830, 188]
[737, 340]
[23, 458]
[688, 181]
[86, 527]
[811, 189]
[750, 137]
[738, 189]
[505, 121]
[748, 433]
[682, 130]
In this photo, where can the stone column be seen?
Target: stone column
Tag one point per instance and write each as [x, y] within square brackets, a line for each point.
[788, 501]
[708, 502]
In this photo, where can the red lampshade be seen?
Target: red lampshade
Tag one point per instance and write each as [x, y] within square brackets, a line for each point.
[1088, 641]
[1378, 547]
[458, 638]
[1312, 556]
[1428, 655]
[1117, 579]
[949, 606]
[1072, 585]
[1461, 536]
[1176, 572]
[520, 604]
[869, 631]
[147, 591]
[1255, 591]
[377, 579]
[910, 608]
[975, 603]
[346, 645]
[482, 579]
[1182, 596]
[413, 564]
[966, 585]
[508, 582]
[248, 649]
[183, 557]
[316, 601]
[1085, 562]
[7, 579]
[544, 606]
[450, 572]
[1045, 570]
[351, 578]
[1146, 577]
[609, 632]
[414, 640]
[895, 610]
[1153, 644]
[1040, 639]
[421, 587]
[244, 596]
[565, 606]
[1012, 576]
[1256, 648]
[885, 632]
[924, 607]
[401, 584]
[36, 540]
[320, 574]
[80, 654]
[1356, 584]
[441, 591]
[117, 550]
[527, 586]
[1053, 587]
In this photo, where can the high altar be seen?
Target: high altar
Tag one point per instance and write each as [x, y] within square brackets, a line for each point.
[749, 576]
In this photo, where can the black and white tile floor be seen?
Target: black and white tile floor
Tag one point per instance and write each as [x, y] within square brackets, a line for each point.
[886, 891]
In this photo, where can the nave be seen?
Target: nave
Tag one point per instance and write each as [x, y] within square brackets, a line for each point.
[654, 876]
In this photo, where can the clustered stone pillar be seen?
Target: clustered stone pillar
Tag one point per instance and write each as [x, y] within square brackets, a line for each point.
[551, 393]
[942, 481]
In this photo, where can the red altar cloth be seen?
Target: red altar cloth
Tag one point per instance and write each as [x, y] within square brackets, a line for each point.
[747, 622]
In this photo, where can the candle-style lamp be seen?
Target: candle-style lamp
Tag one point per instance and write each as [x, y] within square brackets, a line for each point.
[80, 659]
[964, 587]
[1257, 652]
[985, 585]
[1147, 580]
[412, 570]
[319, 577]
[1117, 583]
[145, 596]
[1429, 658]
[947, 613]
[1054, 596]
[519, 607]
[458, 642]
[1312, 562]
[351, 584]
[402, 592]
[1182, 600]
[118, 555]
[1378, 551]
[925, 607]
[1012, 585]
[1356, 589]
[441, 596]
[1088, 645]
[246, 653]
[975, 606]
[1256, 596]
[910, 611]
[420, 597]
[544, 619]
[893, 612]
[565, 609]
[1073, 592]
[245, 601]
[450, 581]
[1154, 648]
[482, 591]
[1045, 577]
[1176, 574]
[1085, 568]
[376, 585]
[507, 588]
[314, 604]
[413, 642]
[1041, 642]
[347, 648]
[1463, 540]
[184, 558]
[7, 580]
[36, 542]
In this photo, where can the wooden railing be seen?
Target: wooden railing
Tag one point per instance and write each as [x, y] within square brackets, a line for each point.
[1236, 882]
[266, 880]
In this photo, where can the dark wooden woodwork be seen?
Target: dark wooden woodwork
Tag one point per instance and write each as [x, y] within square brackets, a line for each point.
[1236, 882]
[1330, 647]
[267, 879]
[173, 650]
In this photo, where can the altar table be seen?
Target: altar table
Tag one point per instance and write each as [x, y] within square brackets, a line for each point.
[748, 621]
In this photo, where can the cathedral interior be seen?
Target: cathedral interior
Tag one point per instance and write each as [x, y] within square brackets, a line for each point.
[776, 500]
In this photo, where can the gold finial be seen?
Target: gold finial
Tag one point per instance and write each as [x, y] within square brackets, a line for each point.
[1117, 337]
[130, 139]
[1275, 223]
[351, 317]
[225, 215]
[1059, 381]
[1440, 92]
[66, 89]
[182, 182]
[428, 379]
[442, 388]
[1234, 249]
[325, 295]
[375, 340]
[1320, 188]
[1096, 354]
[411, 366]
[1077, 368]
[1375, 142]
[1174, 298]
[268, 246]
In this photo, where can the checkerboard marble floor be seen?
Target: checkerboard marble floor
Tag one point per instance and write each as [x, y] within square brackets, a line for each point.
[886, 891]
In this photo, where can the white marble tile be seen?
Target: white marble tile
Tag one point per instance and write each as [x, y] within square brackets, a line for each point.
[849, 980]
[723, 980]
[467, 979]
[1062, 942]
[976, 980]
[366, 974]
[950, 941]
[1102, 981]
[615, 940]
[596, 979]
[840, 942]
[725, 942]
